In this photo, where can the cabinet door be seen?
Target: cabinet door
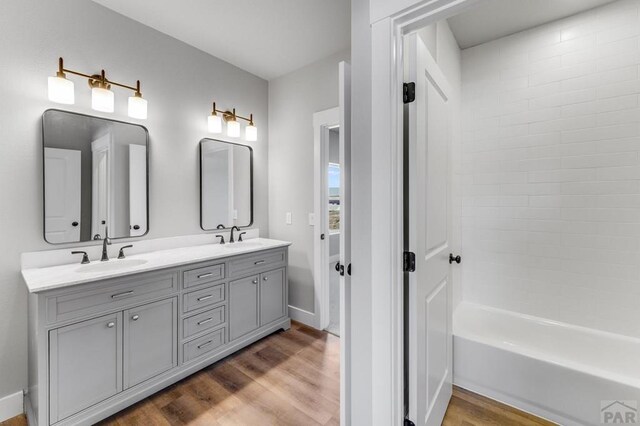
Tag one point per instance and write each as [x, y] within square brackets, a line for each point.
[150, 341]
[243, 306]
[272, 291]
[85, 365]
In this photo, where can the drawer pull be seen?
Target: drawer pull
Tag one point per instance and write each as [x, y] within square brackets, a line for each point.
[203, 298]
[111, 325]
[119, 295]
[204, 345]
[208, 274]
[205, 321]
[259, 262]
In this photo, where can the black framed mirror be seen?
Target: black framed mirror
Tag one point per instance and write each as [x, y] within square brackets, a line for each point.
[226, 185]
[96, 178]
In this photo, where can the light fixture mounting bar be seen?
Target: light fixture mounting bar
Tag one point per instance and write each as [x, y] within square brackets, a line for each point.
[95, 79]
[231, 115]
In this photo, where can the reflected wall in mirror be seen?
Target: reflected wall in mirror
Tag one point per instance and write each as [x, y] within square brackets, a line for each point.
[226, 185]
[95, 178]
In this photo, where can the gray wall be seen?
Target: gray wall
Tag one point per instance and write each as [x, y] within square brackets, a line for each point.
[334, 146]
[179, 82]
[293, 99]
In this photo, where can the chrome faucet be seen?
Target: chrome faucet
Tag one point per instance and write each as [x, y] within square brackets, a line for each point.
[106, 241]
[232, 240]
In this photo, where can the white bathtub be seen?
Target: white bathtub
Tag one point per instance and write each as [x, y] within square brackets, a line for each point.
[557, 371]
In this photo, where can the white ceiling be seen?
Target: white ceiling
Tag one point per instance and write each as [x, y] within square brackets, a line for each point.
[491, 19]
[268, 38]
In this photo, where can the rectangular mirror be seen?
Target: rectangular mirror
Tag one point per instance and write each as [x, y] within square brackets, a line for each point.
[226, 185]
[95, 178]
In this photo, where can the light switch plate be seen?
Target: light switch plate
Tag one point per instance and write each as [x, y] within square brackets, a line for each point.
[312, 219]
[288, 218]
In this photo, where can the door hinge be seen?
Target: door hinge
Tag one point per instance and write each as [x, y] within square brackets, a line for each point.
[408, 422]
[408, 92]
[409, 261]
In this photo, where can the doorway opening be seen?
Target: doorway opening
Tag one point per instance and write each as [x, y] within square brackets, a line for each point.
[512, 146]
[332, 204]
[327, 211]
[332, 223]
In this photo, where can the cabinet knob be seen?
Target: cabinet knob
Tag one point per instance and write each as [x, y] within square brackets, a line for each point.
[135, 317]
[255, 281]
[266, 278]
[111, 324]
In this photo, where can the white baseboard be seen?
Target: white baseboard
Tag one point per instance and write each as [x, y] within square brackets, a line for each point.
[305, 317]
[11, 406]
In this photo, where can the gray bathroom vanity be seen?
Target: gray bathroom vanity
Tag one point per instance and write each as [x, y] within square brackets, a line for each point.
[105, 335]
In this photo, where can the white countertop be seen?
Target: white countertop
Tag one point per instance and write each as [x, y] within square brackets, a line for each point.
[52, 277]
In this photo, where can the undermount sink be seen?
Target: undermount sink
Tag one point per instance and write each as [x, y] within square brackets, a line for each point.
[243, 245]
[110, 266]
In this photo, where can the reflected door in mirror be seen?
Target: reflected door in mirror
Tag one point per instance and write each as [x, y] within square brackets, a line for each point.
[62, 196]
[95, 178]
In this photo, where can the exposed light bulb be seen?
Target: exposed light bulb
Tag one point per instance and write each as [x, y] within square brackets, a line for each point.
[233, 129]
[61, 90]
[215, 124]
[102, 99]
[138, 107]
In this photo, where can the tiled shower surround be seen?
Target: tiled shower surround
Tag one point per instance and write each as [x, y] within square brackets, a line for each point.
[550, 173]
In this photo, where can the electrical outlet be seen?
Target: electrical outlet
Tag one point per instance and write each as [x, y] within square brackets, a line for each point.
[312, 219]
[288, 219]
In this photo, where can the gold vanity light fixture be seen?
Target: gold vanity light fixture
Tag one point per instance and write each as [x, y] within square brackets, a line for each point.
[61, 90]
[233, 125]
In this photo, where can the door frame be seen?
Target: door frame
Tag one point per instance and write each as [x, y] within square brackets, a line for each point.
[387, 76]
[323, 121]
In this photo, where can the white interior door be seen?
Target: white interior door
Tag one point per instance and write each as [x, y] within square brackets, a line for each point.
[62, 172]
[137, 190]
[345, 238]
[429, 287]
[101, 156]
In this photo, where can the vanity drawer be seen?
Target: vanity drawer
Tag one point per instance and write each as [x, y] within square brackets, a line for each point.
[260, 260]
[203, 275]
[202, 298]
[203, 345]
[107, 295]
[204, 321]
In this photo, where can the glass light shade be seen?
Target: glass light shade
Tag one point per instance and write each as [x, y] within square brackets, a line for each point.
[102, 99]
[215, 124]
[251, 133]
[138, 107]
[233, 129]
[61, 90]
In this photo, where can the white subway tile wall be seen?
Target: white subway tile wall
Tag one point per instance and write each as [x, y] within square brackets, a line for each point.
[550, 173]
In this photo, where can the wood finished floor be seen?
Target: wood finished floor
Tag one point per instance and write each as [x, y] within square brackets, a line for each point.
[288, 378]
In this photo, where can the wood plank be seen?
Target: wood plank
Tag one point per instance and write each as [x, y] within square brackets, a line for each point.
[469, 409]
[272, 406]
[306, 395]
[20, 420]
